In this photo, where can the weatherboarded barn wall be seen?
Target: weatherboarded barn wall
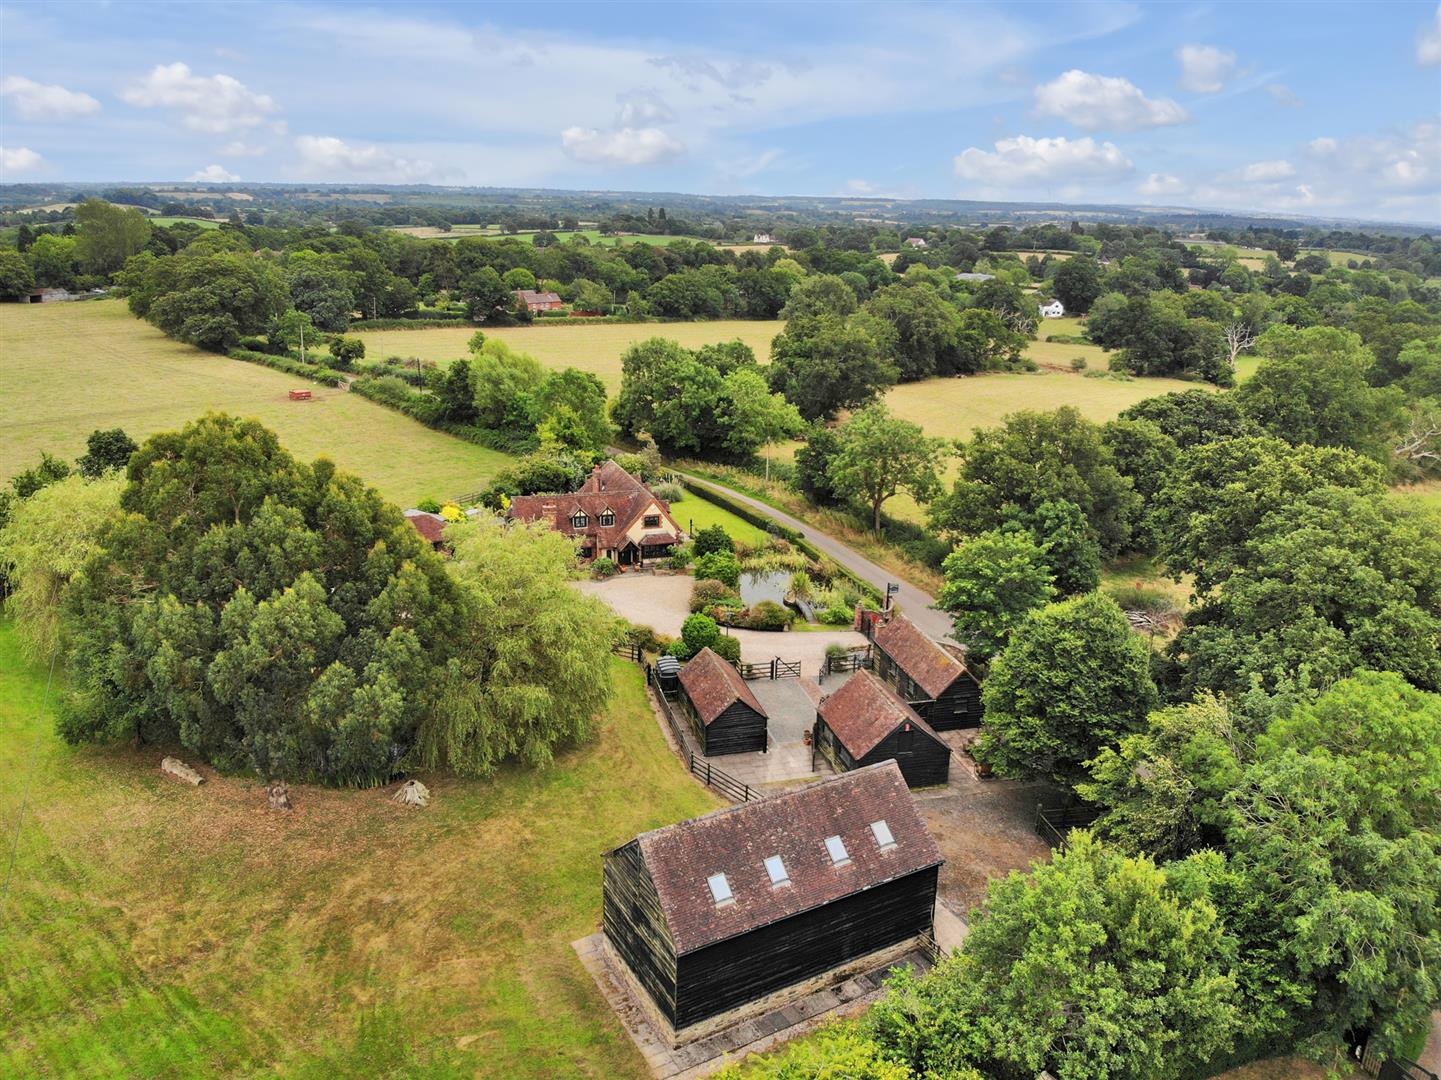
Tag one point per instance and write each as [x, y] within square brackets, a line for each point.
[725, 714]
[928, 678]
[864, 723]
[735, 906]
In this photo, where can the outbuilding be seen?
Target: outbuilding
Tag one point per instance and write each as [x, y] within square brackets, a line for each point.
[753, 903]
[925, 676]
[724, 712]
[864, 723]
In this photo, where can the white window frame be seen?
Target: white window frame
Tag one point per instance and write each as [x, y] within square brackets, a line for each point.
[885, 840]
[776, 870]
[720, 890]
[836, 848]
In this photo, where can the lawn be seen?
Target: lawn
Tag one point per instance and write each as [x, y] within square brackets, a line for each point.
[154, 929]
[694, 514]
[593, 347]
[71, 368]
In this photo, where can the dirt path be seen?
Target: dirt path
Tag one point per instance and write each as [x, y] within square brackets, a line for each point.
[917, 604]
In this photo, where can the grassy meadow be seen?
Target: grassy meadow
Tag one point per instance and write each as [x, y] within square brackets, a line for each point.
[154, 929]
[71, 368]
[593, 347]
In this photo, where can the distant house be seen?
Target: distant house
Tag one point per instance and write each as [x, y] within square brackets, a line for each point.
[430, 526]
[725, 714]
[915, 242]
[613, 516]
[975, 277]
[49, 296]
[540, 301]
[1054, 310]
[864, 723]
[927, 677]
[753, 904]
[763, 238]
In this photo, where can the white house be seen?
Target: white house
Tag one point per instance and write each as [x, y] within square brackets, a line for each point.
[1054, 310]
[915, 242]
[763, 238]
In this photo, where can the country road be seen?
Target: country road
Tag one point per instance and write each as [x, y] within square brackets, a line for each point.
[916, 604]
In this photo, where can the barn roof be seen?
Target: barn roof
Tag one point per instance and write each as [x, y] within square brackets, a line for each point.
[531, 296]
[919, 656]
[713, 686]
[795, 826]
[430, 526]
[864, 711]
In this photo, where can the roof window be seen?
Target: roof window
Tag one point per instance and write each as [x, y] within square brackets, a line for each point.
[720, 890]
[882, 832]
[776, 868]
[837, 848]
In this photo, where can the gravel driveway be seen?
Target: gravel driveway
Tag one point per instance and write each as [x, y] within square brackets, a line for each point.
[662, 602]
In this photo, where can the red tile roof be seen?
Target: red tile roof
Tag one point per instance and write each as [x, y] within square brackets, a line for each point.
[713, 685]
[430, 526]
[530, 296]
[918, 656]
[608, 487]
[864, 711]
[736, 842]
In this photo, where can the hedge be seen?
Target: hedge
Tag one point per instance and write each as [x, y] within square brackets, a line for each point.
[314, 372]
[421, 408]
[424, 322]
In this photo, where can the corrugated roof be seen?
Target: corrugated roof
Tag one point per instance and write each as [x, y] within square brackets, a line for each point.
[713, 685]
[795, 825]
[918, 656]
[864, 711]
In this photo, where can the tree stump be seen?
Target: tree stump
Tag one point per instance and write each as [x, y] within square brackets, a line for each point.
[181, 771]
[412, 793]
[279, 793]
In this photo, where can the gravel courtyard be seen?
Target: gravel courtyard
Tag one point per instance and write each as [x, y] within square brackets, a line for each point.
[662, 602]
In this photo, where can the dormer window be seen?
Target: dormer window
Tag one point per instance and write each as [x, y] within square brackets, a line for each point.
[607, 519]
[837, 849]
[882, 832]
[579, 521]
[720, 890]
[776, 870]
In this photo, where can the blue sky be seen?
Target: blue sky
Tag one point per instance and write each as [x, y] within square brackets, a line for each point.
[1330, 109]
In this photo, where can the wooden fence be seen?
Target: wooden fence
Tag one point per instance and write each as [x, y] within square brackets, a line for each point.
[771, 669]
[1053, 824]
[1396, 1068]
[699, 767]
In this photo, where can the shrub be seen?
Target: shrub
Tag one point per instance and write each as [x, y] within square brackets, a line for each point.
[836, 616]
[430, 506]
[712, 539]
[802, 588]
[768, 615]
[1078, 363]
[836, 651]
[643, 638]
[346, 350]
[602, 568]
[728, 648]
[670, 492]
[719, 566]
[707, 593]
[680, 556]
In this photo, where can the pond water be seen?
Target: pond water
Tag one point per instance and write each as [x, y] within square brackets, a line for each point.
[768, 585]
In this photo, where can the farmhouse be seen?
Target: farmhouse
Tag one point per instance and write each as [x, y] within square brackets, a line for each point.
[864, 723]
[927, 677]
[747, 902]
[763, 238]
[725, 714]
[613, 516]
[915, 242]
[540, 301]
[430, 526]
[1054, 310]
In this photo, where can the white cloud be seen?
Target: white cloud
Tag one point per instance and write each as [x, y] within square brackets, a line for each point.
[1206, 69]
[639, 108]
[15, 159]
[240, 148]
[210, 103]
[42, 101]
[1094, 102]
[328, 157]
[1267, 172]
[1162, 184]
[1024, 160]
[1428, 43]
[1323, 146]
[214, 174]
[1284, 95]
[626, 146]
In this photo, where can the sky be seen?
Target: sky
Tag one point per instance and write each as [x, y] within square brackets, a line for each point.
[1312, 108]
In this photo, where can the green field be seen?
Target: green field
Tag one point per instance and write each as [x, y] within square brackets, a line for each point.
[204, 223]
[594, 347]
[694, 514]
[68, 369]
[158, 930]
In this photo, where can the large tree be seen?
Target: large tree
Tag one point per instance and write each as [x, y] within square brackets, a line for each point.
[879, 455]
[1077, 283]
[1192, 417]
[210, 300]
[824, 364]
[1074, 679]
[993, 581]
[107, 234]
[927, 330]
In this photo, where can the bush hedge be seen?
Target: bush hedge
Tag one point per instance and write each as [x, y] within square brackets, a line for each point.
[314, 372]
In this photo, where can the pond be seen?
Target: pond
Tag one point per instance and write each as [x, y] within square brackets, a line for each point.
[757, 585]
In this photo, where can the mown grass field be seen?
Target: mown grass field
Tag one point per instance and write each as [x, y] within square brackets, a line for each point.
[152, 929]
[204, 223]
[694, 514]
[595, 347]
[67, 369]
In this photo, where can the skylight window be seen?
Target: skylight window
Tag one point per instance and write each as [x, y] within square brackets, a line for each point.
[882, 832]
[839, 855]
[777, 871]
[720, 889]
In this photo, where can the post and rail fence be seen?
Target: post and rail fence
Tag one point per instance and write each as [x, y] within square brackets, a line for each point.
[714, 778]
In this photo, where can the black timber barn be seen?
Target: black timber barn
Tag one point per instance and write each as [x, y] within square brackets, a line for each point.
[864, 722]
[927, 677]
[725, 909]
[725, 714]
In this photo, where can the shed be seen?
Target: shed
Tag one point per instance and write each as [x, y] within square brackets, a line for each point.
[864, 723]
[928, 678]
[741, 904]
[431, 527]
[724, 712]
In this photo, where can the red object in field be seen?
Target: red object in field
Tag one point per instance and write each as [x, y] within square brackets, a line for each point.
[300, 395]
